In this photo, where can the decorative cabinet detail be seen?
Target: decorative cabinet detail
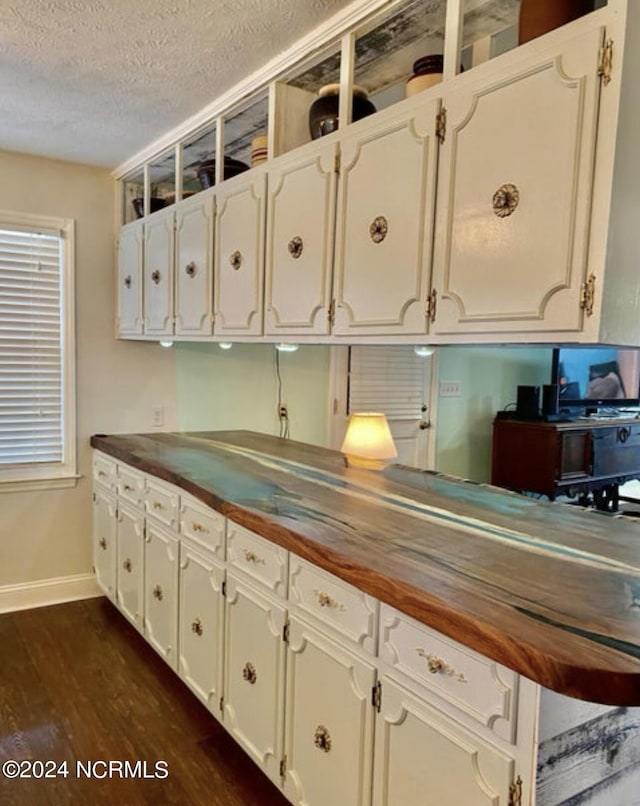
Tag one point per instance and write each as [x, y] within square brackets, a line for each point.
[334, 604]
[239, 256]
[194, 266]
[518, 161]
[104, 540]
[300, 234]
[384, 223]
[423, 756]
[329, 721]
[130, 315]
[200, 616]
[159, 236]
[130, 563]
[254, 672]
[161, 592]
[483, 690]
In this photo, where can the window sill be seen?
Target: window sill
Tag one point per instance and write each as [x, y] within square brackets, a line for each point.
[27, 485]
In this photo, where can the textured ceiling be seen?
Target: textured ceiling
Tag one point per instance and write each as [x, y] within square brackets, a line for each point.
[95, 81]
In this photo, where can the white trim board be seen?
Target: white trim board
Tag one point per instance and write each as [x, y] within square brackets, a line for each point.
[44, 592]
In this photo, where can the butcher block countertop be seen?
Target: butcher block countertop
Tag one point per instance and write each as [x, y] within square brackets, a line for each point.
[547, 589]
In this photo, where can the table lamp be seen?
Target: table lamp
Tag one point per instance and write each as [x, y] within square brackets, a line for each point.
[368, 442]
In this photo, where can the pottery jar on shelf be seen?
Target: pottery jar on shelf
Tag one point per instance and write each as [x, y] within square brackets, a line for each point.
[539, 16]
[324, 111]
[427, 71]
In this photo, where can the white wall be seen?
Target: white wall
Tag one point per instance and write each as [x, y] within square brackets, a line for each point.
[46, 534]
[237, 388]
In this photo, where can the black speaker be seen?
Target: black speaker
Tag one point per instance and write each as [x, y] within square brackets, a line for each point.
[549, 399]
[528, 403]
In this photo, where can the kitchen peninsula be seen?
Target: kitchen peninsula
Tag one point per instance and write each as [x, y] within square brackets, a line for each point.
[480, 592]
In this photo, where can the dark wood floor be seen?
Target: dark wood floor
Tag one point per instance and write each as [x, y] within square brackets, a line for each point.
[78, 683]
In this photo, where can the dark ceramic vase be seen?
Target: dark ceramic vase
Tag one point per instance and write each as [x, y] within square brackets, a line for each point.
[207, 171]
[155, 204]
[539, 16]
[324, 111]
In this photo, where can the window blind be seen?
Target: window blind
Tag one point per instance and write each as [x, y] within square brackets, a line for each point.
[31, 347]
[391, 380]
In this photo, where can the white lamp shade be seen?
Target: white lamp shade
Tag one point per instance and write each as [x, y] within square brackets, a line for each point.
[368, 441]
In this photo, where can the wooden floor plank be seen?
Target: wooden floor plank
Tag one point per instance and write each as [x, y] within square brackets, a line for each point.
[78, 683]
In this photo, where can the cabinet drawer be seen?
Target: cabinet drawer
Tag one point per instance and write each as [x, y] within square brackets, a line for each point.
[131, 485]
[481, 688]
[334, 603]
[203, 525]
[104, 471]
[616, 450]
[162, 502]
[256, 557]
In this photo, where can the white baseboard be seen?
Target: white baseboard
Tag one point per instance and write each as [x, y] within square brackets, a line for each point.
[47, 592]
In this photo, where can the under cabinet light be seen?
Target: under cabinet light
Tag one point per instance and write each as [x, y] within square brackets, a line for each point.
[166, 344]
[423, 350]
[225, 345]
[286, 347]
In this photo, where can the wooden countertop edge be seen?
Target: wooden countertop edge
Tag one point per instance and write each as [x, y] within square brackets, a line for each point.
[543, 666]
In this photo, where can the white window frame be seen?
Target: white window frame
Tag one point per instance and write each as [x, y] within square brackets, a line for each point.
[34, 476]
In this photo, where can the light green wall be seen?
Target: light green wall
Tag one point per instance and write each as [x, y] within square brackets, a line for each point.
[220, 389]
[237, 388]
[488, 377]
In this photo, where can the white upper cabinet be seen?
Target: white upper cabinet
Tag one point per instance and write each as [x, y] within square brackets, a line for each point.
[158, 273]
[129, 293]
[384, 223]
[514, 195]
[194, 266]
[239, 255]
[300, 235]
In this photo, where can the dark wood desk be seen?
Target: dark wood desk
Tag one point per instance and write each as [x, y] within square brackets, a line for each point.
[575, 458]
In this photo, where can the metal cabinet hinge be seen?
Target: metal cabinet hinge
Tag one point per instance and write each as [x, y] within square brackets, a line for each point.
[285, 631]
[441, 125]
[430, 309]
[94, 498]
[212, 317]
[223, 588]
[331, 312]
[376, 696]
[336, 164]
[605, 61]
[588, 294]
[515, 793]
[221, 705]
[283, 766]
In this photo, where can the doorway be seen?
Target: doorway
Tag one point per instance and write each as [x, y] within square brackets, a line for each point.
[392, 379]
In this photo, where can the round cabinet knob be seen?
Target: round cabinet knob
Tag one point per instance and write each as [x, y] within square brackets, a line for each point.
[127, 565]
[249, 674]
[505, 200]
[157, 593]
[378, 229]
[155, 276]
[190, 269]
[322, 739]
[127, 281]
[295, 247]
[235, 260]
[102, 543]
[196, 627]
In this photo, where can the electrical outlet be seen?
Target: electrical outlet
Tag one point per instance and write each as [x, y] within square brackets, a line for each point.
[283, 411]
[157, 416]
[450, 388]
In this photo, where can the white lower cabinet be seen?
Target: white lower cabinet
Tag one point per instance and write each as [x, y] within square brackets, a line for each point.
[161, 591]
[329, 721]
[130, 563]
[200, 623]
[338, 699]
[422, 756]
[104, 540]
[254, 661]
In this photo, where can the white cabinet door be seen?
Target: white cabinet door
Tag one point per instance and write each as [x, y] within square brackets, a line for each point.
[239, 256]
[254, 673]
[514, 196]
[130, 553]
[130, 317]
[329, 722]
[161, 592]
[158, 273]
[422, 755]
[385, 223]
[104, 540]
[194, 266]
[200, 625]
[300, 228]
